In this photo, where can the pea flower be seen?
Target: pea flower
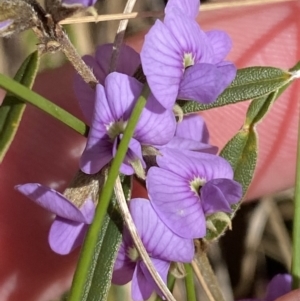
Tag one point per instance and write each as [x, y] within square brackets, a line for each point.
[113, 107]
[162, 245]
[128, 62]
[182, 61]
[84, 3]
[189, 185]
[280, 285]
[191, 134]
[70, 224]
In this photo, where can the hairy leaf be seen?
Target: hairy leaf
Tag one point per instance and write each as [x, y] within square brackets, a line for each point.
[250, 83]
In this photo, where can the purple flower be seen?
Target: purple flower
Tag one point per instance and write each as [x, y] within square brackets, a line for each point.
[187, 186]
[128, 62]
[280, 285]
[191, 134]
[113, 107]
[85, 3]
[182, 61]
[162, 245]
[70, 224]
[5, 24]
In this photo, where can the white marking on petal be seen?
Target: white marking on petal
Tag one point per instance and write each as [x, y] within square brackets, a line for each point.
[115, 128]
[188, 60]
[196, 184]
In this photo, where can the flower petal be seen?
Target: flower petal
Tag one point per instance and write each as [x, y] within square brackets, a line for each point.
[188, 7]
[162, 267]
[280, 285]
[159, 241]
[84, 3]
[162, 64]
[51, 200]
[5, 24]
[141, 288]
[213, 198]
[156, 125]
[189, 164]
[122, 92]
[190, 38]
[187, 144]
[134, 153]
[193, 127]
[128, 61]
[175, 203]
[202, 82]
[66, 235]
[228, 71]
[85, 95]
[88, 211]
[124, 267]
[221, 44]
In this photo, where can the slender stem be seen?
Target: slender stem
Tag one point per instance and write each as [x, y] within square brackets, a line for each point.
[43, 104]
[189, 282]
[206, 276]
[78, 286]
[73, 56]
[296, 223]
[138, 242]
[120, 36]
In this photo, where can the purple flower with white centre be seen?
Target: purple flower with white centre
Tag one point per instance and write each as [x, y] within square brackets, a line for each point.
[114, 104]
[70, 224]
[182, 61]
[280, 285]
[189, 185]
[162, 245]
[128, 62]
[85, 3]
[191, 134]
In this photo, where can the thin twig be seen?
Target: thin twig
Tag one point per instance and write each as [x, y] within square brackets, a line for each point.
[158, 14]
[137, 241]
[120, 36]
[202, 281]
[73, 56]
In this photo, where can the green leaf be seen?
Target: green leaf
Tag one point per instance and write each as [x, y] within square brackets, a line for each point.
[99, 278]
[12, 109]
[25, 94]
[250, 83]
[241, 150]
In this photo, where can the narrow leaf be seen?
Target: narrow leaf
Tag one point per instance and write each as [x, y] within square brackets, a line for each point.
[241, 150]
[12, 109]
[98, 281]
[250, 83]
[25, 94]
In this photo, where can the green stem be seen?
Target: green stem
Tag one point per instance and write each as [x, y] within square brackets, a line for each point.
[189, 283]
[43, 104]
[296, 224]
[78, 288]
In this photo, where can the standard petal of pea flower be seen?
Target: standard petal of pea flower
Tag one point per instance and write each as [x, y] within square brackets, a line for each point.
[191, 134]
[280, 285]
[70, 224]
[114, 104]
[189, 185]
[128, 62]
[182, 61]
[84, 3]
[162, 245]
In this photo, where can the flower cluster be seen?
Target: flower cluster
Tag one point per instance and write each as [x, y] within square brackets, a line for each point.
[186, 181]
